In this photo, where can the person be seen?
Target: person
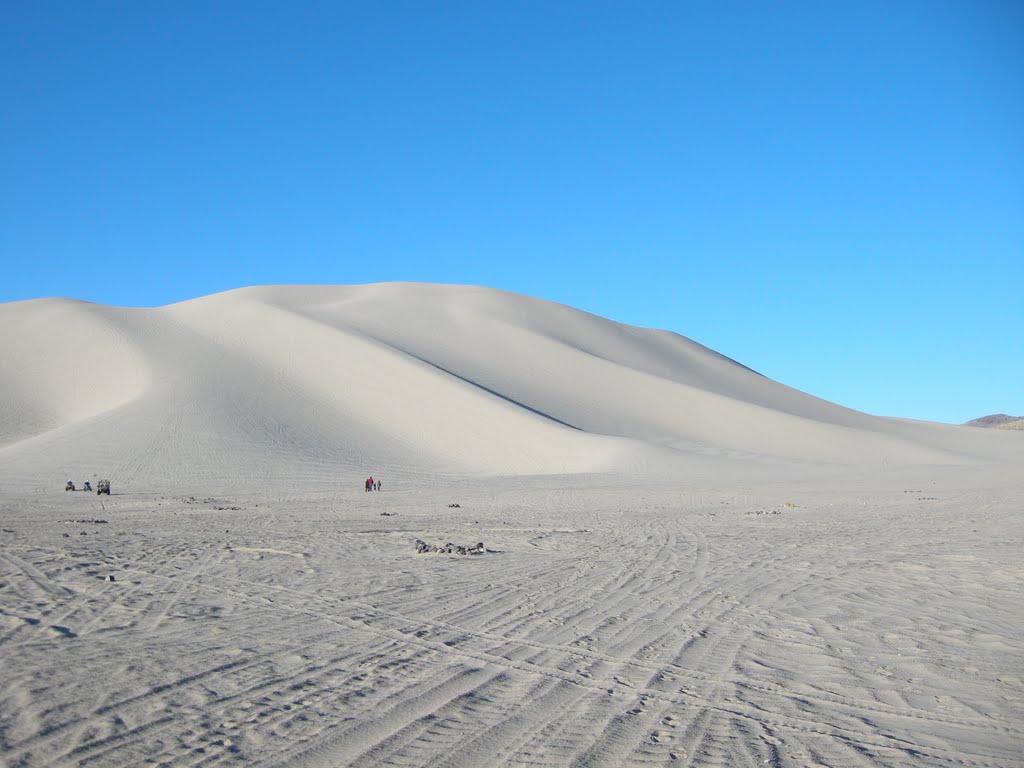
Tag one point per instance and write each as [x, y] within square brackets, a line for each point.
[87, 486]
[378, 485]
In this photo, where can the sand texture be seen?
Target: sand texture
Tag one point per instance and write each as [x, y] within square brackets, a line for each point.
[684, 562]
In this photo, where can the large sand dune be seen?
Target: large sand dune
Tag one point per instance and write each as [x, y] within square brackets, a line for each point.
[329, 382]
[688, 563]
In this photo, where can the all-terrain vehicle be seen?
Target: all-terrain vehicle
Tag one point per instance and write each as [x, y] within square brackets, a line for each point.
[102, 486]
[69, 486]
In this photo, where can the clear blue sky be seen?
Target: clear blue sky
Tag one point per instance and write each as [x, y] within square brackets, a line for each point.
[829, 192]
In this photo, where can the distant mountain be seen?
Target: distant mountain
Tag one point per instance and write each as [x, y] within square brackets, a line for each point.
[1000, 420]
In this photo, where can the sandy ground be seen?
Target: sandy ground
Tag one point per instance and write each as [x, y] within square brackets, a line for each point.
[849, 621]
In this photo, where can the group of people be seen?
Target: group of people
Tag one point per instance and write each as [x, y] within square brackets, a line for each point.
[70, 486]
[372, 485]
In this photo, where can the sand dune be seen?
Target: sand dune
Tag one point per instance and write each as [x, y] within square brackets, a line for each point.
[323, 382]
[686, 563]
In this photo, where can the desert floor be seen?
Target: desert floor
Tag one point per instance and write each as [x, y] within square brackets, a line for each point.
[872, 620]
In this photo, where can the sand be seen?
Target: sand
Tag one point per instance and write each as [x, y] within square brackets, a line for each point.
[686, 563]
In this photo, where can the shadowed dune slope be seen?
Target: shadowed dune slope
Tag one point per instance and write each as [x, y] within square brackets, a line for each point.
[313, 382]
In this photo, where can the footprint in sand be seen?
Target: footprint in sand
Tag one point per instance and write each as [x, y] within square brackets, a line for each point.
[660, 737]
[670, 721]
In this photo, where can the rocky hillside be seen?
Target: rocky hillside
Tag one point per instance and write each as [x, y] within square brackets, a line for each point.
[998, 420]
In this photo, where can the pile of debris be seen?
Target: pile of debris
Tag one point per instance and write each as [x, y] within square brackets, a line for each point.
[451, 549]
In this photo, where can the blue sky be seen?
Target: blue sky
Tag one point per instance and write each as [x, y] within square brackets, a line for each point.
[831, 193]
